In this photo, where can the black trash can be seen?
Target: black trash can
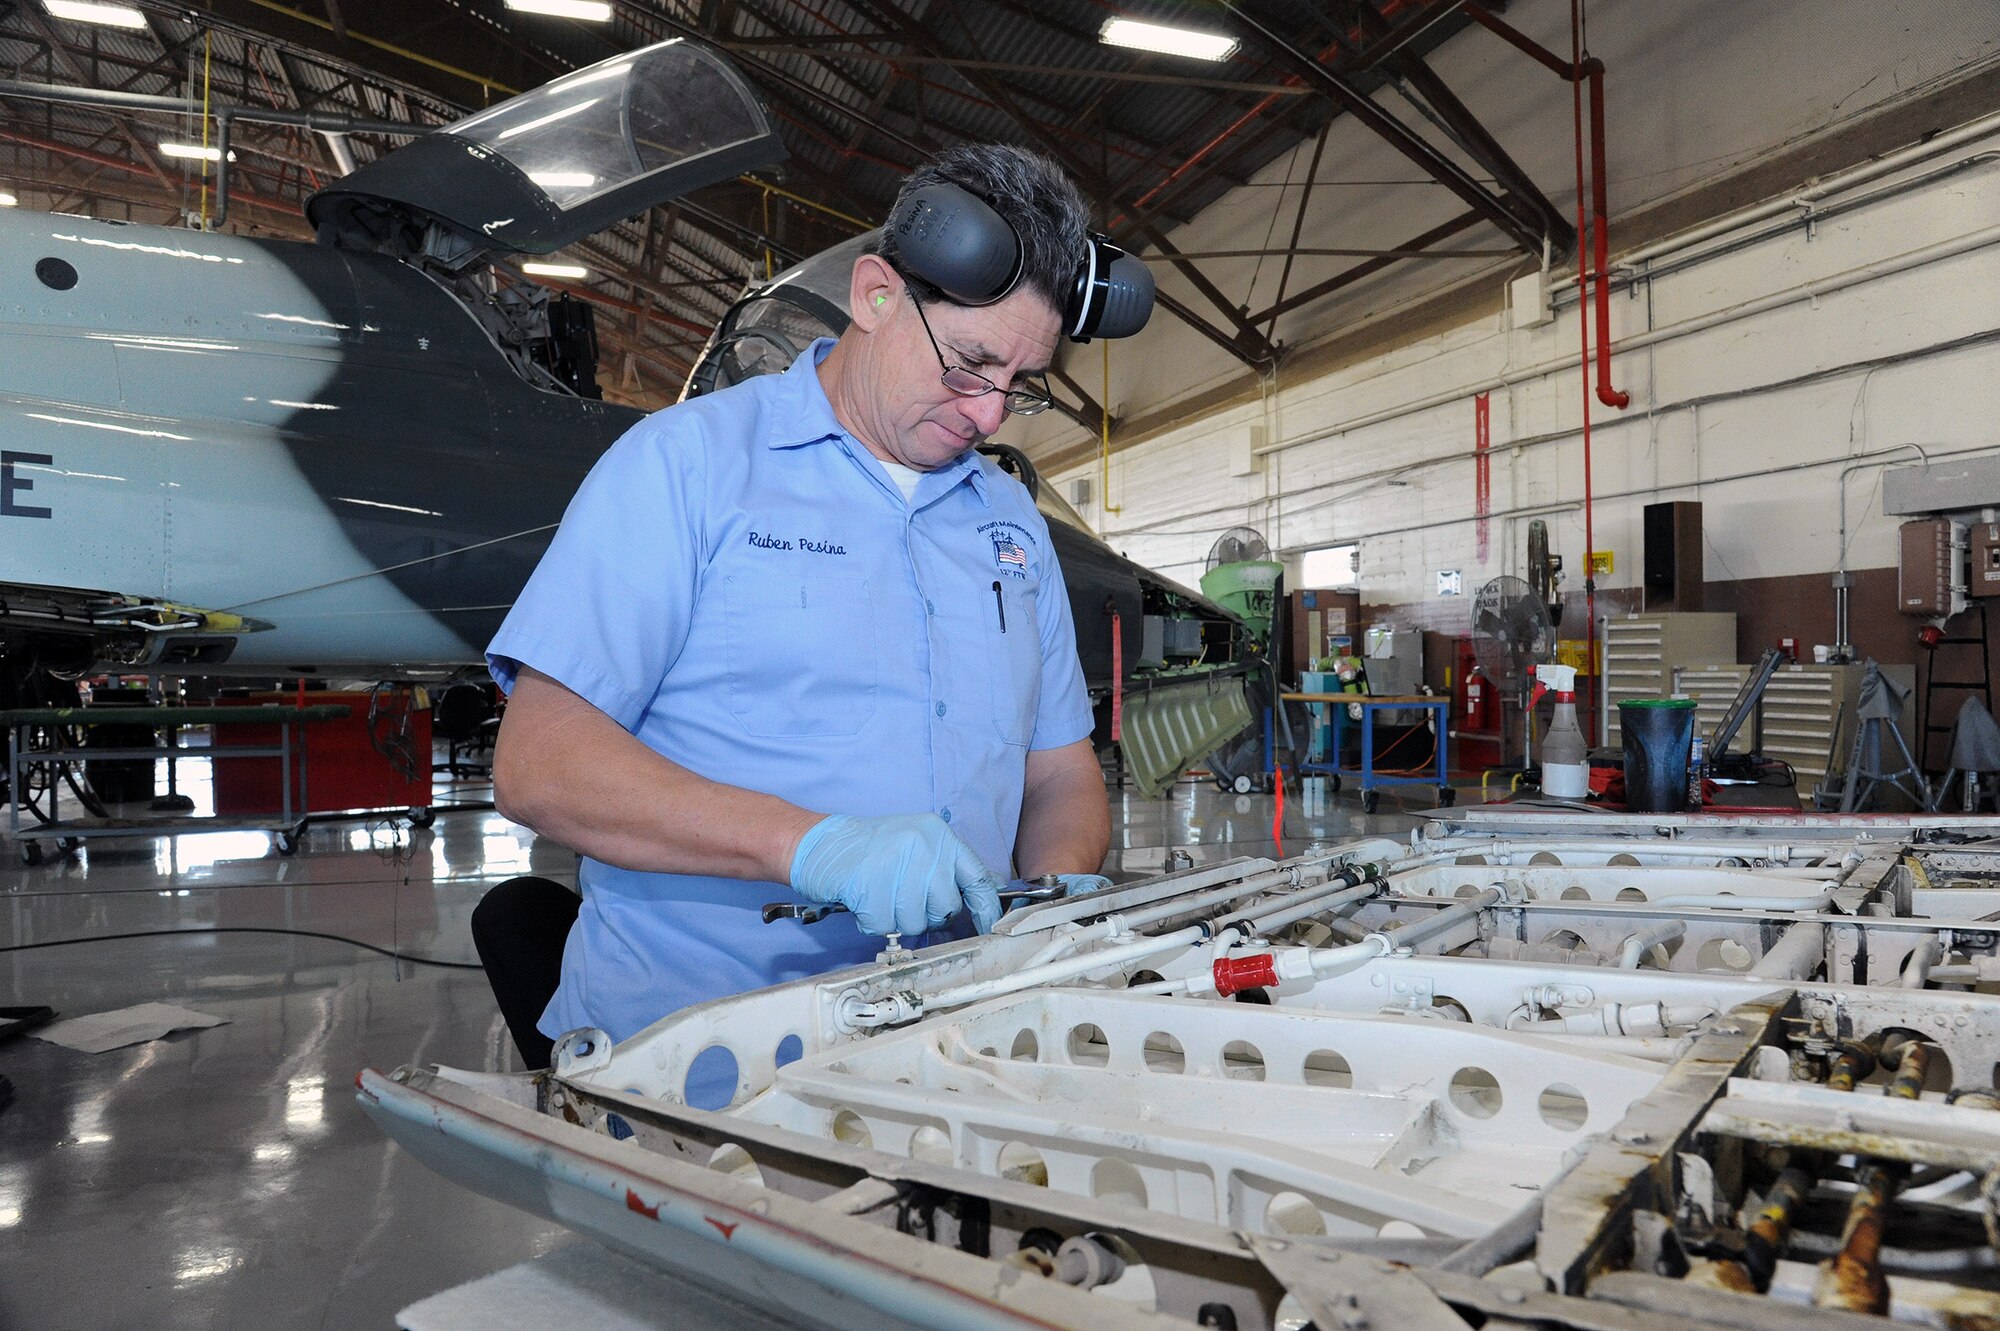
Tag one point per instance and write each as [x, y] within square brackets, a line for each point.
[1658, 736]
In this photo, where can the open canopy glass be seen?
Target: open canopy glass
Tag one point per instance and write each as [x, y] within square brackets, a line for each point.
[551, 166]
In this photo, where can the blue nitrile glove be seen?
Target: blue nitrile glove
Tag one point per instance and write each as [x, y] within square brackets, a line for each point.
[899, 873]
[1082, 884]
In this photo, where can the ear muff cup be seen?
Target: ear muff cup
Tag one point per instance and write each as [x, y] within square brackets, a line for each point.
[954, 240]
[1113, 296]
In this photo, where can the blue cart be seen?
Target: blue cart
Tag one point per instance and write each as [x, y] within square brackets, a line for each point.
[1371, 780]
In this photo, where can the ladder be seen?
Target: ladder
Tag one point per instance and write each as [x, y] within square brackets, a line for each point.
[1927, 722]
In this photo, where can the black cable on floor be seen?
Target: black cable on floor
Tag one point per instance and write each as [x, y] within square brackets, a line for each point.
[250, 929]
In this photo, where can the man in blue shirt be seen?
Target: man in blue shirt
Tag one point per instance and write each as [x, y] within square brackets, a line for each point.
[799, 635]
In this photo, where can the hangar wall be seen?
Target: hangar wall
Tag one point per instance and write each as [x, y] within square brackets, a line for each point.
[1757, 416]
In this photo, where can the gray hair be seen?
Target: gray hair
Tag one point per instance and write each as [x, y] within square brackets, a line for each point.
[1035, 196]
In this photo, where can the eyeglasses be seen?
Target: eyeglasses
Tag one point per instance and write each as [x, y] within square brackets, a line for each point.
[1020, 401]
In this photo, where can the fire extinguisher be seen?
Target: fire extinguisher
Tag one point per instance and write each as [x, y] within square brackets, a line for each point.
[1476, 700]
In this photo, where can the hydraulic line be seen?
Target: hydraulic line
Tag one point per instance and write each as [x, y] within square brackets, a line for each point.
[1796, 955]
[1265, 970]
[1055, 972]
[1651, 1020]
[1917, 966]
[1635, 947]
[1319, 897]
[1764, 1243]
[1853, 1279]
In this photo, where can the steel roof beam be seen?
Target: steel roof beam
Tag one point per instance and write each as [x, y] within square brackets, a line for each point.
[1368, 267]
[1512, 216]
[1466, 128]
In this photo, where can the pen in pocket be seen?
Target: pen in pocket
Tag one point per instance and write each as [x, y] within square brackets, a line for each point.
[1000, 603]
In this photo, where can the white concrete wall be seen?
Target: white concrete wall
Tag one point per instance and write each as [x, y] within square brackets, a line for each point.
[1695, 89]
[1712, 416]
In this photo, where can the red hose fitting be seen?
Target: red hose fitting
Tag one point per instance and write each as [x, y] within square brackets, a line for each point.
[1237, 973]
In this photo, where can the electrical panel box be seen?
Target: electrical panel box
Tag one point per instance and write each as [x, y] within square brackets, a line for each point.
[1923, 567]
[1985, 580]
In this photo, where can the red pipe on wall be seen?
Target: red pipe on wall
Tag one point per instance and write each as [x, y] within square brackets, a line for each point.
[1600, 227]
[1584, 70]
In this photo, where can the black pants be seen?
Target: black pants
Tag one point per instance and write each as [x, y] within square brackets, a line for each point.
[519, 927]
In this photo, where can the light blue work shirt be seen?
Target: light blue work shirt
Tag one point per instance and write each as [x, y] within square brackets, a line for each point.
[739, 584]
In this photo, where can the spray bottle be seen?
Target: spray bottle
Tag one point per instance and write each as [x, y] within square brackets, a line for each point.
[1565, 757]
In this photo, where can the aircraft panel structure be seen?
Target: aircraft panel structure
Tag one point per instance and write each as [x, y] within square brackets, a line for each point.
[1615, 1072]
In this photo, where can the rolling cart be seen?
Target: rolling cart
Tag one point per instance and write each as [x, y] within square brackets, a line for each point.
[1371, 780]
[66, 833]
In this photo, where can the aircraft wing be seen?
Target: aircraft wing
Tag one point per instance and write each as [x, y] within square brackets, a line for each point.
[136, 631]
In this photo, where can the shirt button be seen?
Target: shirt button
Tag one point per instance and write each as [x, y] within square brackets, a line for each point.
[945, 814]
[929, 607]
[940, 709]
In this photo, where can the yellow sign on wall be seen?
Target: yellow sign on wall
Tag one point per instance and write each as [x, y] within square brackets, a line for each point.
[1575, 653]
[1600, 563]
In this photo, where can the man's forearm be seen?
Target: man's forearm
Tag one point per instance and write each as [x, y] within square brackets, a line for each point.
[1065, 817]
[574, 775]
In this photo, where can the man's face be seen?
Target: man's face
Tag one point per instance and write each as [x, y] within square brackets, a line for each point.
[923, 424]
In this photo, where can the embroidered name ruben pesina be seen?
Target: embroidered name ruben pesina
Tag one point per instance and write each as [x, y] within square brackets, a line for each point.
[804, 543]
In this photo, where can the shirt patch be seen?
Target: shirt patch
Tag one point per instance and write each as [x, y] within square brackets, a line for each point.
[1009, 556]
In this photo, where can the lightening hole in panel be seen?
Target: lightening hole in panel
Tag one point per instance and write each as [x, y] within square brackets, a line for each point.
[1116, 1181]
[1576, 894]
[1323, 1067]
[1630, 894]
[1545, 857]
[1563, 1107]
[1624, 861]
[1400, 1229]
[1289, 1213]
[733, 1160]
[1470, 859]
[931, 1144]
[1475, 1092]
[1723, 954]
[1022, 1163]
[1164, 1053]
[1465, 890]
[1088, 1046]
[1242, 1061]
[790, 1050]
[1026, 1047]
[712, 1078]
[849, 1130]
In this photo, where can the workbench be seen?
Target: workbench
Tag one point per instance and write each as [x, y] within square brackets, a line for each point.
[1338, 704]
[285, 828]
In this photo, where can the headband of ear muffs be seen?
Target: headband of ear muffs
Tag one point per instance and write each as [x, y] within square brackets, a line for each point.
[954, 240]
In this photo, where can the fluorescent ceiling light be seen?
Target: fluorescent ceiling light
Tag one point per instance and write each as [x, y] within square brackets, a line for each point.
[1168, 41]
[593, 11]
[194, 151]
[573, 271]
[7, 200]
[89, 11]
[563, 179]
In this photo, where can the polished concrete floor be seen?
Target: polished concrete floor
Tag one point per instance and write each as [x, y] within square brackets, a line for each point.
[224, 1178]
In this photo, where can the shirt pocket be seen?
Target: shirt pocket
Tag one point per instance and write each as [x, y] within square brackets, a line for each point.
[1016, 641]
[802, 655]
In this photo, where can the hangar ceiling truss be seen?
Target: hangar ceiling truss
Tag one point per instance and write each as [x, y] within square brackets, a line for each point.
[861, 91]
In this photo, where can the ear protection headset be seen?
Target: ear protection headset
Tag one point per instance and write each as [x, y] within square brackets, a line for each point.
[951, 238]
